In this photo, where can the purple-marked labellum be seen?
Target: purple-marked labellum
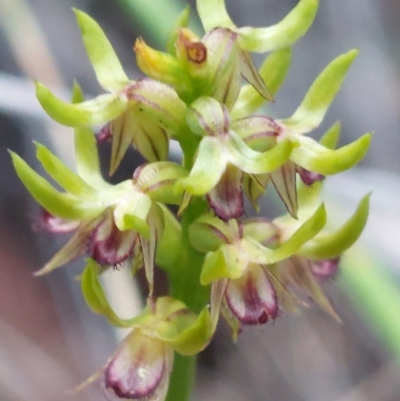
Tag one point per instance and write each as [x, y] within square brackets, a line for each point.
[140, 369]
[309, 177]
[52, 224]
[226, 199]
[108, 245]
[252, 297]
[325, 268]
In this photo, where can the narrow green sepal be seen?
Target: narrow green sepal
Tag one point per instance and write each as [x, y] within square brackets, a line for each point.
[66, 178]
[284, 33]
[331, 137]
[100, 110]
[314, 157]
[59, 204]
[329, 245]
[105, 62]
[319, 97]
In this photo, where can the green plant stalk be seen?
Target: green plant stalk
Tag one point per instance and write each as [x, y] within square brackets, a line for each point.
[375, 295]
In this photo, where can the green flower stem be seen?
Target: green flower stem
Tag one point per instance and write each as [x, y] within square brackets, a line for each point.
[185, 285]
[375, 294]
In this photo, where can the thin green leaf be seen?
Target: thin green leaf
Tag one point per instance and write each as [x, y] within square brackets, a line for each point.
[59, 204]
[315, 104]
[102, 109]
[314, 157]
[106, 65]
[66, 178]
[329, 245]
[213, 14]
[284, 33]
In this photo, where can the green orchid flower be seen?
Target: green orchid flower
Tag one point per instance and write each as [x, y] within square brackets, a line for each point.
[311, 160]
[111, 223]
[141, 367]
[143, 113]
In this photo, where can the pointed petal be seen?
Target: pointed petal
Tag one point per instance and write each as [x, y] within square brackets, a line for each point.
[72, 250]
[331, 137]
[109, 246]
[93, 112]
[252, 76]
[149, 245]
[140, 370]
[300, 275]
[205, 176]
[330, 245]
[59, 204]
[314, 157]
[311, 227]
[213, 14]
[226, 198]
[61, 174]
[86, 154]
[284, 180]
[254, 186]
[233, 322]
[284, 33]
[252, 298]
[273, 72]
[182, 21]
[122, 130]
[315, 104]
[254, 162]
[208, 233]
[106, 65]
[218, 289]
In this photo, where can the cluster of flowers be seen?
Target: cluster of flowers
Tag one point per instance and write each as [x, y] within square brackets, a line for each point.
[193, 94]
